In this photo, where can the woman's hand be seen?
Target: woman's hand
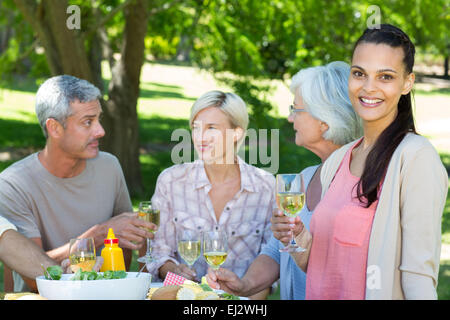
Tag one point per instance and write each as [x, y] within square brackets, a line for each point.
[179, 269]
[283, 226]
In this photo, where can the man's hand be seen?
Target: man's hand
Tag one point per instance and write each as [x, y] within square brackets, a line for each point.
[131, 231]
[67, 268]
[225, 280]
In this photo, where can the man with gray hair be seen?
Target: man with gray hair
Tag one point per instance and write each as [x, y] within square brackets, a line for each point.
[70, 189]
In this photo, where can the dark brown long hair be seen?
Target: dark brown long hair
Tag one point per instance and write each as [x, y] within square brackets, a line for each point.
[379, 157]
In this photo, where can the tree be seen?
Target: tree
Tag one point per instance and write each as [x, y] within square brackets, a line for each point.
[76, 52]
[273, 39]
[426, 22]
[252, 40]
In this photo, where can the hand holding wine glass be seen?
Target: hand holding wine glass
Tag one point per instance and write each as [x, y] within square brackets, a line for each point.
[282, 226]
[82, 254]
[215, 248]
[290, 199]
[150, 213]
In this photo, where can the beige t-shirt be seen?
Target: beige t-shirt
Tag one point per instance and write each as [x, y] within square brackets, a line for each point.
[56, 209]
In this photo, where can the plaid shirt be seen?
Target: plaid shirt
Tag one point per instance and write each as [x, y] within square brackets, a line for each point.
[182, 197]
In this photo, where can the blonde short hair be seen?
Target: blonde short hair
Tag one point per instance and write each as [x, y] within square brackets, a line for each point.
[229, 103]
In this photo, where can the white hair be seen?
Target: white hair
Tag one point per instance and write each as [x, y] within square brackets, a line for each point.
[324, 90]
[229, 103]
[55, 95]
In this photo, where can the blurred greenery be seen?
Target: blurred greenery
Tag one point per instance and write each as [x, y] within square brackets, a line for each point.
[443, 288]
[240, 41]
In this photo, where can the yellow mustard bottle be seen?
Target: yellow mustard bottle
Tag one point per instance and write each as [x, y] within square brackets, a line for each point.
[112, 254]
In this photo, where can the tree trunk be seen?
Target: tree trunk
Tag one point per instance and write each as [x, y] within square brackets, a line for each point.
[6, 31]
[66, 53]
[446, 67]
[186, 43]
[121, 121]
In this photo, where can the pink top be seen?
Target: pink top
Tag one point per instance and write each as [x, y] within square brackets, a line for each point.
[340, 228]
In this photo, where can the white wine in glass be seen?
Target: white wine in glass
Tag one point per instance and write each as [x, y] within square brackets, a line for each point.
[82, 254]
[291, 203]
[215, 258]
[215, 248]
[189, 246]
[148, 212]
[291, 199]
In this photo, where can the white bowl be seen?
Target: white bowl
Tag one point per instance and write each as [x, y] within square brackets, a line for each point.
[129, 288]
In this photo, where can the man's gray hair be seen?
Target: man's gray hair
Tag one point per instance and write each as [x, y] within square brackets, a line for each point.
[55, 95]
[324, 90]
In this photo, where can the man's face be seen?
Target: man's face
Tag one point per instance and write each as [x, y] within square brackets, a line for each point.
[83, 130]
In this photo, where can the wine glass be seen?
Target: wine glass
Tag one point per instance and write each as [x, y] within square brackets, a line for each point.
[189, 246]
[215, 248]
[291, 199]
[148, 212]
[82, 254]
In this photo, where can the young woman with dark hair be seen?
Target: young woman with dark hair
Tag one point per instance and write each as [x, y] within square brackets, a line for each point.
[376, 234]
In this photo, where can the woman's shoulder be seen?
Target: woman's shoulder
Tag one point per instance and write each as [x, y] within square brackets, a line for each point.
[335, 158]
[260, 176]
[176, 172]
[309, 171]
[415, 142]
[413, 145]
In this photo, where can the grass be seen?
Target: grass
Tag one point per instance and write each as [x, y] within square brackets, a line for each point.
[164, 104]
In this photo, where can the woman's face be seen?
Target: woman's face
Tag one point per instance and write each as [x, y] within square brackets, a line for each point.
[377, 80]
[308, 130]
[214, 137]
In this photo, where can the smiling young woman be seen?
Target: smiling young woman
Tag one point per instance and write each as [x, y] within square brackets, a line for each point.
[376, 233]
[380, 84]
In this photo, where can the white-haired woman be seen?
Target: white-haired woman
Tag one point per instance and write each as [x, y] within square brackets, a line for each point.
[218, 191]
[323, 121]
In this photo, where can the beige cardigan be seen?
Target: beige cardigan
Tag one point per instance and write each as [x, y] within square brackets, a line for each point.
[405, 241]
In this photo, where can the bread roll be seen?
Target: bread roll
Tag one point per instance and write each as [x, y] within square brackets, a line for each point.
[166, 293]
[23, 296]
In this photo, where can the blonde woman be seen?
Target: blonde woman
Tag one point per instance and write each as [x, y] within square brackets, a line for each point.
[217, 191]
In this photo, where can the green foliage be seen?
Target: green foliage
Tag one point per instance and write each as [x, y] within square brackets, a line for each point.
[256, 96]
[426, 21]
[161, 48]
[21, 54]
[443, 289]
[251, 39]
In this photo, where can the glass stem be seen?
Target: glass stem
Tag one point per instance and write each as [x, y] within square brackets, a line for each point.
[293, 238]
[149, 251]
